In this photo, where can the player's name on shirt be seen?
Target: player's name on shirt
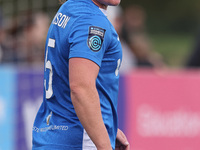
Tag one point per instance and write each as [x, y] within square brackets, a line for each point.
[61, 20]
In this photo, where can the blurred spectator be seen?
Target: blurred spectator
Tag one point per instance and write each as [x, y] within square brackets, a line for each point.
[194, 59]
[134, 33]
[115, 15]
[1, 36]
[34, 38]
[1, 18]
[24, 41]
[5, 42]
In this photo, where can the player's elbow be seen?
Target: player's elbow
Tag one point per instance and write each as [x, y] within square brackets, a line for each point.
[75, 88]
[79, 90]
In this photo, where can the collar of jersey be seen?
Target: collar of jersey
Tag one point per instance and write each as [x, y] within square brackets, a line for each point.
[103, 11]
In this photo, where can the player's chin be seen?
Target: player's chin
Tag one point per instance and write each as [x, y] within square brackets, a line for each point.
[115, 2]
[111, 2]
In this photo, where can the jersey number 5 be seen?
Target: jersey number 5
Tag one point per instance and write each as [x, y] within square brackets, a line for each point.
[49, 91]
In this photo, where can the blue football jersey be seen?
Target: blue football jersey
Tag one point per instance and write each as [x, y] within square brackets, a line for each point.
[79, 29]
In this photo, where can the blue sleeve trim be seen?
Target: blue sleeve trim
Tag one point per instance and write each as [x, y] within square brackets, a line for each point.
[86, 56]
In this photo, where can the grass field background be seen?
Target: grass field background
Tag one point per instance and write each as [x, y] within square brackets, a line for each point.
[174, 48]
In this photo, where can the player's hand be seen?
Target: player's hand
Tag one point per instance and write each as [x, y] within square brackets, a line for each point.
[121, 141]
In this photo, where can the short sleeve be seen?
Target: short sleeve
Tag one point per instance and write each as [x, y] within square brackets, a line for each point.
[87, 38]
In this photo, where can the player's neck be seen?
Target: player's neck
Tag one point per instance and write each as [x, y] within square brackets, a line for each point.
[100, 5]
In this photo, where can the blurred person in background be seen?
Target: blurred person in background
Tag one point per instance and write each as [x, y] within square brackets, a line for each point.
[7, 38]
[14, 41]
[22, 40]
[115, 15]
[134, 33]
[34, 36]
[82, 60]
[1, 35]
[194, 59]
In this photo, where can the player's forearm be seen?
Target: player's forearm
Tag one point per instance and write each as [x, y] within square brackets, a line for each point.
[87, 106]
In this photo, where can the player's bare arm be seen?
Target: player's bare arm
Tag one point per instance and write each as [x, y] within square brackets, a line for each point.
[85, 98]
